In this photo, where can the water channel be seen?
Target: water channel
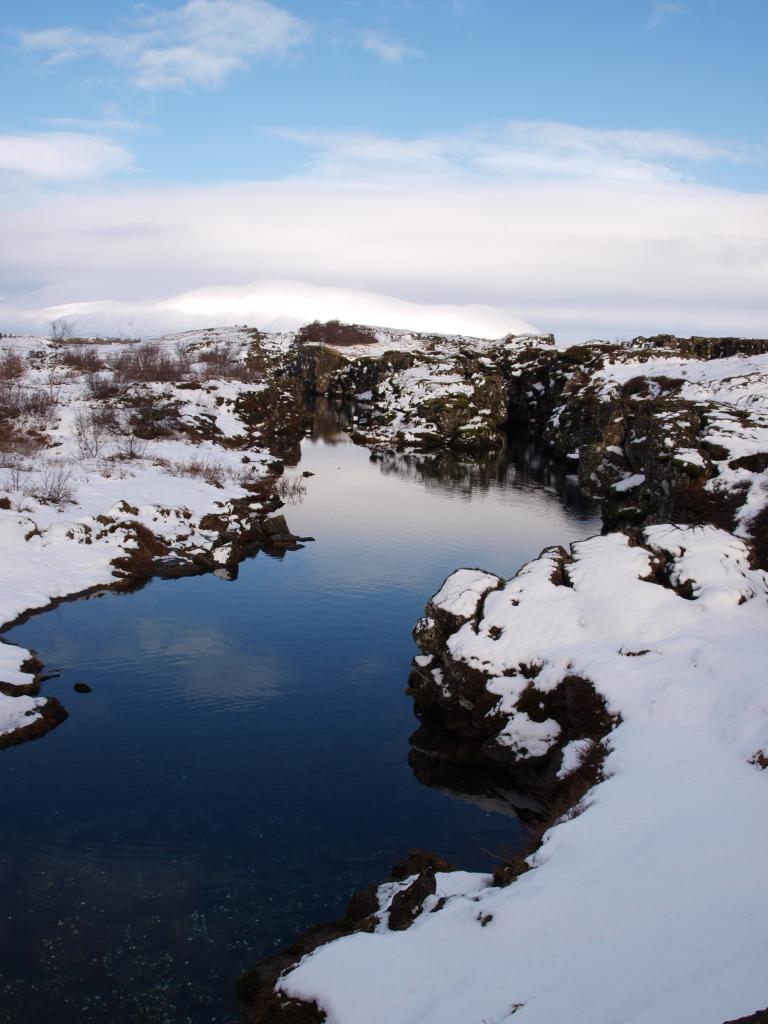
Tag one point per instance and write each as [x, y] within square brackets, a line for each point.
[241, 766]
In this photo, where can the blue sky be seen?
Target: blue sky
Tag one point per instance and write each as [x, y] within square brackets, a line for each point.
[520, 99]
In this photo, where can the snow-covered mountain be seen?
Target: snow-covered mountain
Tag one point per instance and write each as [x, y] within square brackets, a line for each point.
[267, 305]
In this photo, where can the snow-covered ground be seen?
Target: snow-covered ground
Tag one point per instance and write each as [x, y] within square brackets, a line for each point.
[732, 395]
[649, 906]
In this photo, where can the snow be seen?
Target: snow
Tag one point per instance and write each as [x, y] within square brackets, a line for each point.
[11, 660]
[629, 483]
[17, 712]
[649, 906]
[573, 755]
[462, 591]
[531, 738]
[690, 456]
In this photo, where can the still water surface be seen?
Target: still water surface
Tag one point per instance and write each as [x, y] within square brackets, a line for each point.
[241, 765]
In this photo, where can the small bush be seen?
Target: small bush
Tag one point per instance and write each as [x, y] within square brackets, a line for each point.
[89, 433]
[333, 332]
[221, 361]
[11, 365]
[129, 447]
[15, 477]
[101, 385]
[84, 358]
[149, 361]
[54, 483]
[214, 473]
[17, 401]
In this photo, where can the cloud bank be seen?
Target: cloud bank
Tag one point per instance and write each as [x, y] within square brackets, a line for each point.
[586, 232]
[271, 306]
[581, 258]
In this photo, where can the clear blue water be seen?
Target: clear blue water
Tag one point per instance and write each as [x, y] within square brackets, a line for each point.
[240, 767]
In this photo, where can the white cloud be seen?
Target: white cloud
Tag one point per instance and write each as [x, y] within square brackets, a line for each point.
[579, 257]
[519, 149]
[61, 156]
[663, 11]
[200, 43]
[390, 50]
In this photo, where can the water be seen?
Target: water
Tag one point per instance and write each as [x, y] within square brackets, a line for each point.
[241, 766]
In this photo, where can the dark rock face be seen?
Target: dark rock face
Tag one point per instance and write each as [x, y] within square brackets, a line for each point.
[642, 448]
[456, 710]
[761, 1017]
[705, 348]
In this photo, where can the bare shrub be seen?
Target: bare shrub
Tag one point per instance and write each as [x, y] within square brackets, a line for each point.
[183, 358]
[11, 365]
[15, 442]
[214, 473]
[15, 478]
[128, 446]
[221, 361]
[149, 361]
[333, 332]
[84, 358]
[54, 483]
[101, 385]
[89, 433]
[17, 401]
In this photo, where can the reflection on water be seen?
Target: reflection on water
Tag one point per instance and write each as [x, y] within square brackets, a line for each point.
[241, 766]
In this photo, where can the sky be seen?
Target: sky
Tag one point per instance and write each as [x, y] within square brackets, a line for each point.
[592, 167]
